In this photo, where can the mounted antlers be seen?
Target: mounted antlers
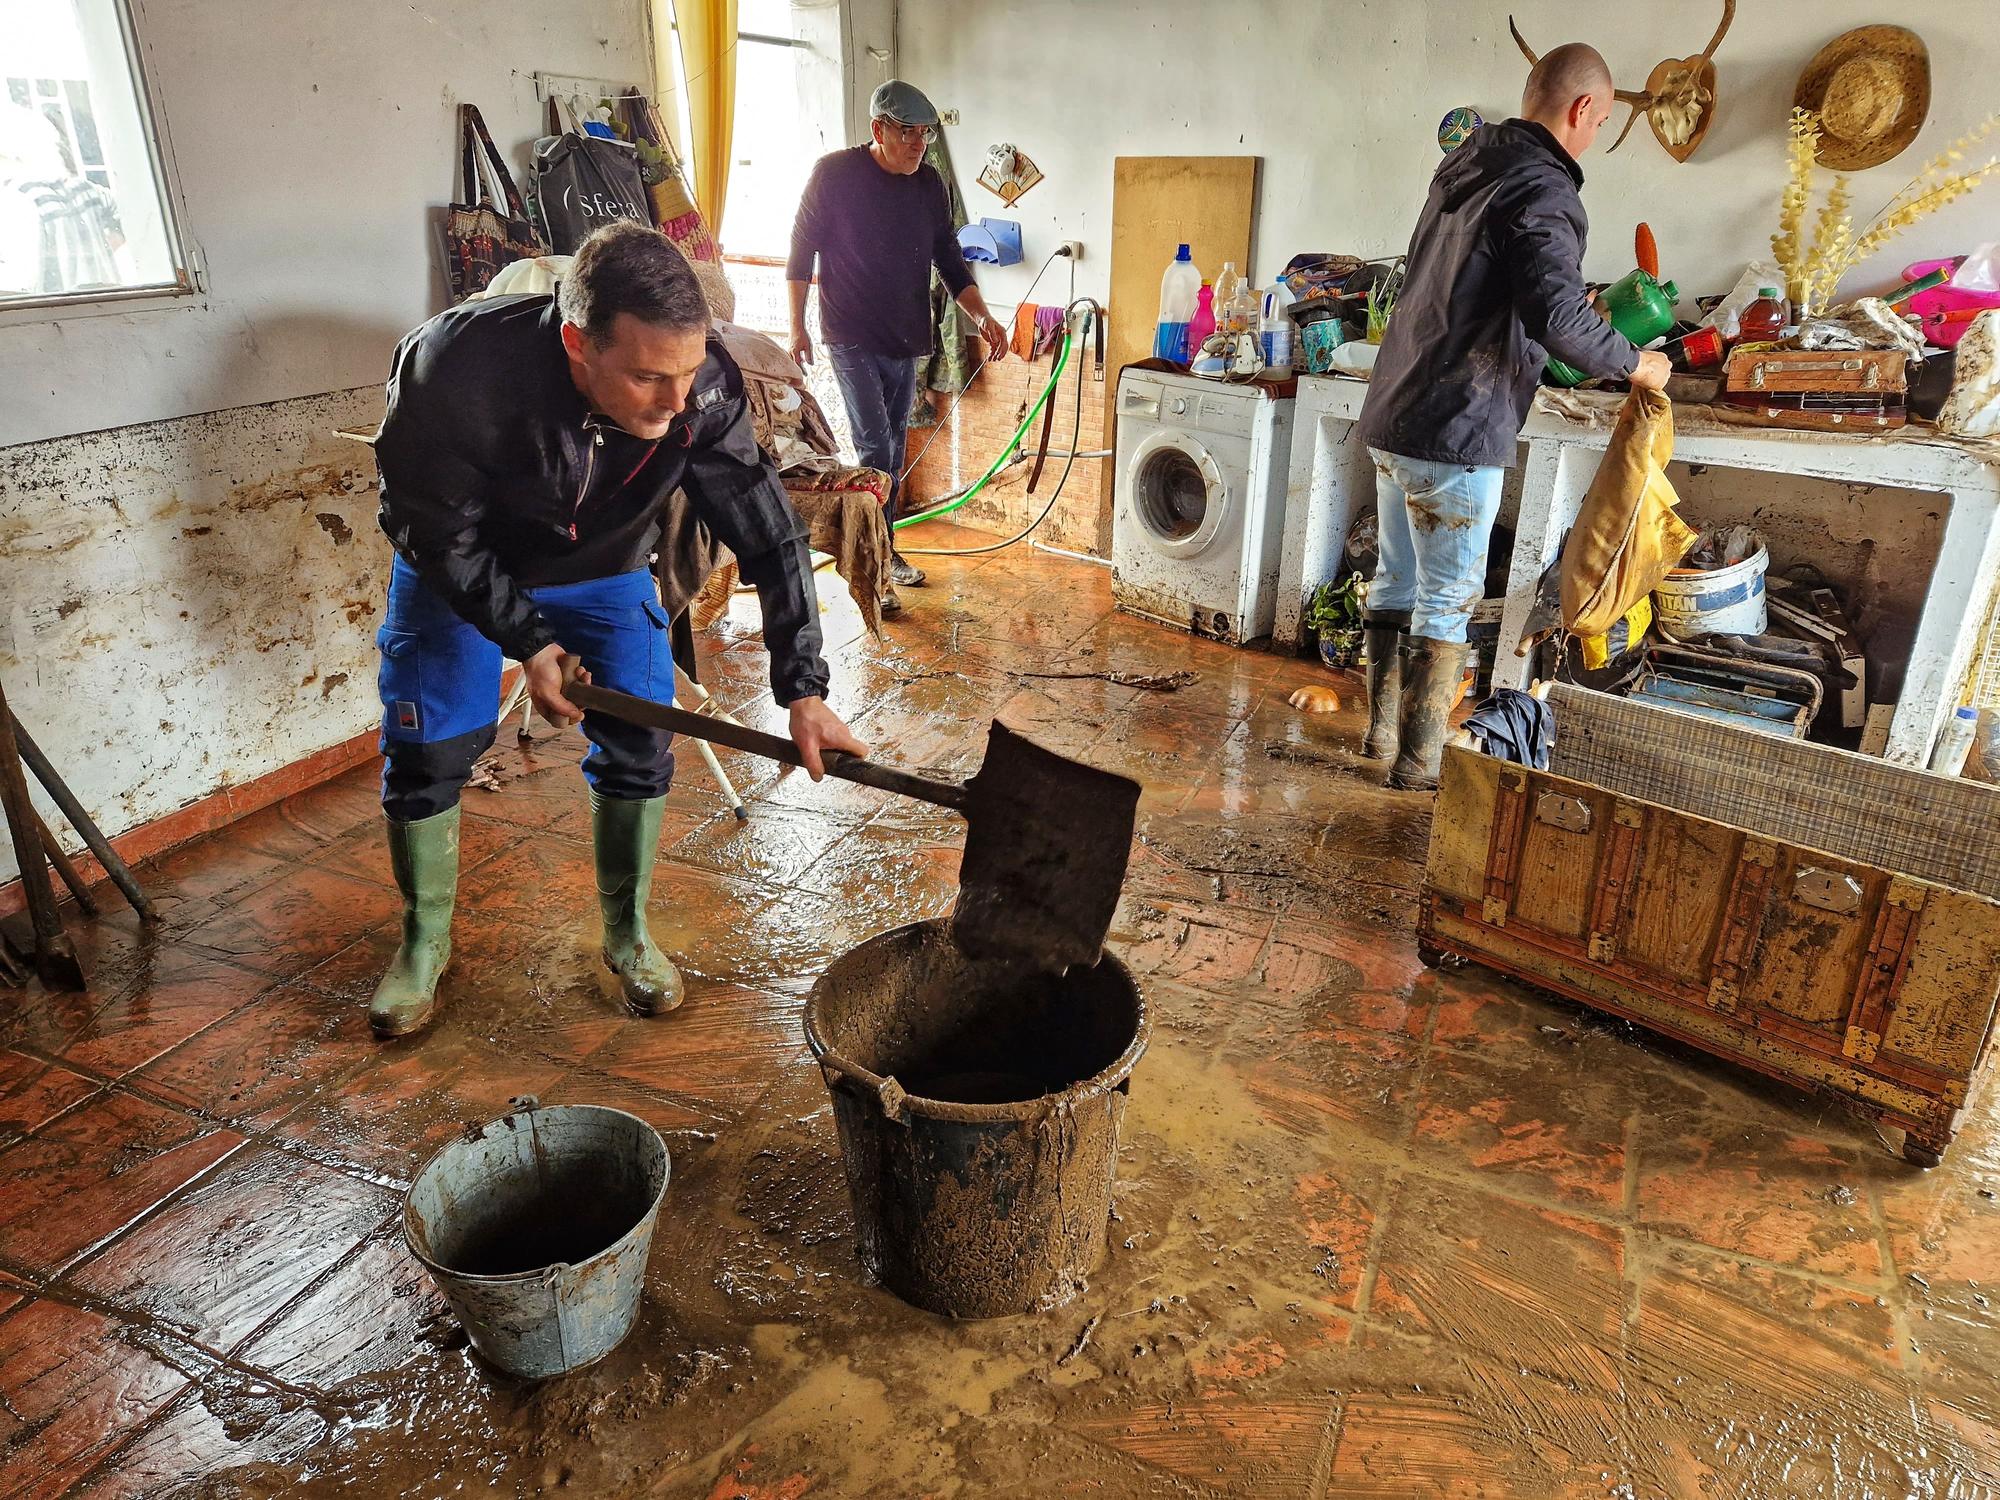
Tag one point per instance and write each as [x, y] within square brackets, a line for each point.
[1679, 97]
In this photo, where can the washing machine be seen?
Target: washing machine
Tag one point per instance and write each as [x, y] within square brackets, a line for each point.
[1198, 503]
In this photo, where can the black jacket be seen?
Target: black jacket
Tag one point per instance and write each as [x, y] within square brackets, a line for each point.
[1493, 287]
[497, 477]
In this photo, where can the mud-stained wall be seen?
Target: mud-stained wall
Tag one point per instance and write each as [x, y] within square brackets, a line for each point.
[188, 605]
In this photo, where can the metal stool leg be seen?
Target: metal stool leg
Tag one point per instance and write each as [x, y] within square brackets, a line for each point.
[687, 688]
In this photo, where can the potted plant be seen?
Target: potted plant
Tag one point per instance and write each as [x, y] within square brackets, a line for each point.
[1333, 614]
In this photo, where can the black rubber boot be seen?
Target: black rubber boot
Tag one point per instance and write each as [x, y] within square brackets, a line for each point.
[424, 857]
[1432, 671]
[1383, 634]
[624, 836]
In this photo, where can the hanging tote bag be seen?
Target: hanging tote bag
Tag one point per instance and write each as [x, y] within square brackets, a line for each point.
[480, 239]
[583, 182]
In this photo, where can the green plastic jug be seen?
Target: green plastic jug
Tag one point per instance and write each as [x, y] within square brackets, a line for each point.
[1641, 308]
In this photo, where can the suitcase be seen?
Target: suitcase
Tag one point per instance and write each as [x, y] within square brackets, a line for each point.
[1820, 916]
[1834, 390]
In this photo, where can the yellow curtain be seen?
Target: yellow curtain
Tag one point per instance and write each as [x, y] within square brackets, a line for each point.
[708, 66]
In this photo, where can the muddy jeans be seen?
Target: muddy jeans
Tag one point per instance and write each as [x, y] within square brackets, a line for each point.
[1433, 521]
[877, 390]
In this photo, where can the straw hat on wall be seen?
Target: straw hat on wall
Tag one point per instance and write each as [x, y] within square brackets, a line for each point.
[1871, 88]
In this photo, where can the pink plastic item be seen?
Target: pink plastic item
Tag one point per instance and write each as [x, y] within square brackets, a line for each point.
[1202, 324]
[1943, 299]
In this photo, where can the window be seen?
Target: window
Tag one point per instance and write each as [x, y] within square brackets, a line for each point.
[84, 209]
[769, 162]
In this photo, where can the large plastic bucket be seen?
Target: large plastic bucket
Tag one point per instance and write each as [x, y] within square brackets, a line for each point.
[978, 1114]
[1717, 601]
[537, 1228]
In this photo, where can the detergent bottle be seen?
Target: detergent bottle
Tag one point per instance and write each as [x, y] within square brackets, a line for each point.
[1201, 325]
[1178, 289]
[1274, 329]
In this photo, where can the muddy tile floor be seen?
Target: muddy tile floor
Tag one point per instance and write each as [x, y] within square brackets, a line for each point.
[1379, 1232]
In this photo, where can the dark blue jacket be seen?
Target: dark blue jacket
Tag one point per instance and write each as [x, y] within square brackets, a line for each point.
[1493, 287]
[497, 477]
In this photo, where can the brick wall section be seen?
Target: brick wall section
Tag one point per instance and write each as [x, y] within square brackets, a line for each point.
[985, 418]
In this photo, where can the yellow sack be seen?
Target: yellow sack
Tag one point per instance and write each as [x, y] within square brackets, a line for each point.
[1599, 651]
[1626, 537]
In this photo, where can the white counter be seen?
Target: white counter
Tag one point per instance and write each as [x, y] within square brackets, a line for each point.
[1333, 481]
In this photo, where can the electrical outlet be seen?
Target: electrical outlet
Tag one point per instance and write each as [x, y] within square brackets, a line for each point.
[1073, 249]
[948, 117]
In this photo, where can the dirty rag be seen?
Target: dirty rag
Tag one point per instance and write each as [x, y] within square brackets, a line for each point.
[1627, 537]
[949, 365]
[842, 505]
[1515, 726]
[1868, 323]
[1022, 344]
[1048, 323]
[842, 509]
[1973, 408]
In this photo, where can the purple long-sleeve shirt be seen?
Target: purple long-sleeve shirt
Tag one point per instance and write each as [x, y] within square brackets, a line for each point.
[876, 235]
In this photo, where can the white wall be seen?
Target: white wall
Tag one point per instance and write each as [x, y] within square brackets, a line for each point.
[314, 145]
[1342, 100]
[871, 57]
[190, 570]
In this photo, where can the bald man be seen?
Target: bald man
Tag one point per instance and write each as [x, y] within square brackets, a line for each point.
[1494, 287]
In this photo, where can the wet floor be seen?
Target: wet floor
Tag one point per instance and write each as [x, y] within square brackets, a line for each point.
[1379, 1232]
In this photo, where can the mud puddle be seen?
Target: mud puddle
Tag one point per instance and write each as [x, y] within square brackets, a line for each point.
[1301, 1291]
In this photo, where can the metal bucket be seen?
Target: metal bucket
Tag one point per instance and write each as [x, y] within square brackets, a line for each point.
[1715, 601]
[978, 1114]
[537, 1228]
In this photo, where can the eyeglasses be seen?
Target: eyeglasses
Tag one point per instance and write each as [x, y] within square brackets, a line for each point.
[924, 133]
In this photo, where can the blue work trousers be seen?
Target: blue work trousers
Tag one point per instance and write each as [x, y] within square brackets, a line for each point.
[1433, 521]
[440, 683]
[877, 390]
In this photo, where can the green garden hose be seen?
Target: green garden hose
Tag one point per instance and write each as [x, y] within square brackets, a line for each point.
[1013, 443]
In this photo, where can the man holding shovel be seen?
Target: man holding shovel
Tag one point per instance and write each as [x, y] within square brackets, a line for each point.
[1494, 287]
[528, 450]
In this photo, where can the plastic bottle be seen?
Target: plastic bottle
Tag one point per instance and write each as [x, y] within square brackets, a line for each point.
[1955, 741]
[1178, 288]
[1201, 325]
[1274, 330]
[1245, 310]
[1764, 319]
[1227, 285]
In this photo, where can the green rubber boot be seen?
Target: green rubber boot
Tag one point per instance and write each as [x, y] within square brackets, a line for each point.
[625, 835]
[1384, 633]
[424, 855]
[1432, 671]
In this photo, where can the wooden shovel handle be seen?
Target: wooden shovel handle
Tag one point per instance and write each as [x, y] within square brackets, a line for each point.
[716, 731]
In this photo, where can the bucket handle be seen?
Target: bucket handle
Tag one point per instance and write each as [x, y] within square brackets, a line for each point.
[886, 1091]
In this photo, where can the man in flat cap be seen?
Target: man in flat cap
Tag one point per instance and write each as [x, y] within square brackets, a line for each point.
[876, 219]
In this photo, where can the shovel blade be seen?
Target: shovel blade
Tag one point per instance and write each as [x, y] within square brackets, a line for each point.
[1047, 840]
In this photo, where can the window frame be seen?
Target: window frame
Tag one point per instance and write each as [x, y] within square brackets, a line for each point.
[188, 283]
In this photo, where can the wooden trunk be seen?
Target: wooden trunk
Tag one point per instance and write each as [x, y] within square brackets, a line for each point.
[1828, 371]
[1822, 917]
[1832, 390]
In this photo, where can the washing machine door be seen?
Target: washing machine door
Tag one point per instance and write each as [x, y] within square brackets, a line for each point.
[1179, 493]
